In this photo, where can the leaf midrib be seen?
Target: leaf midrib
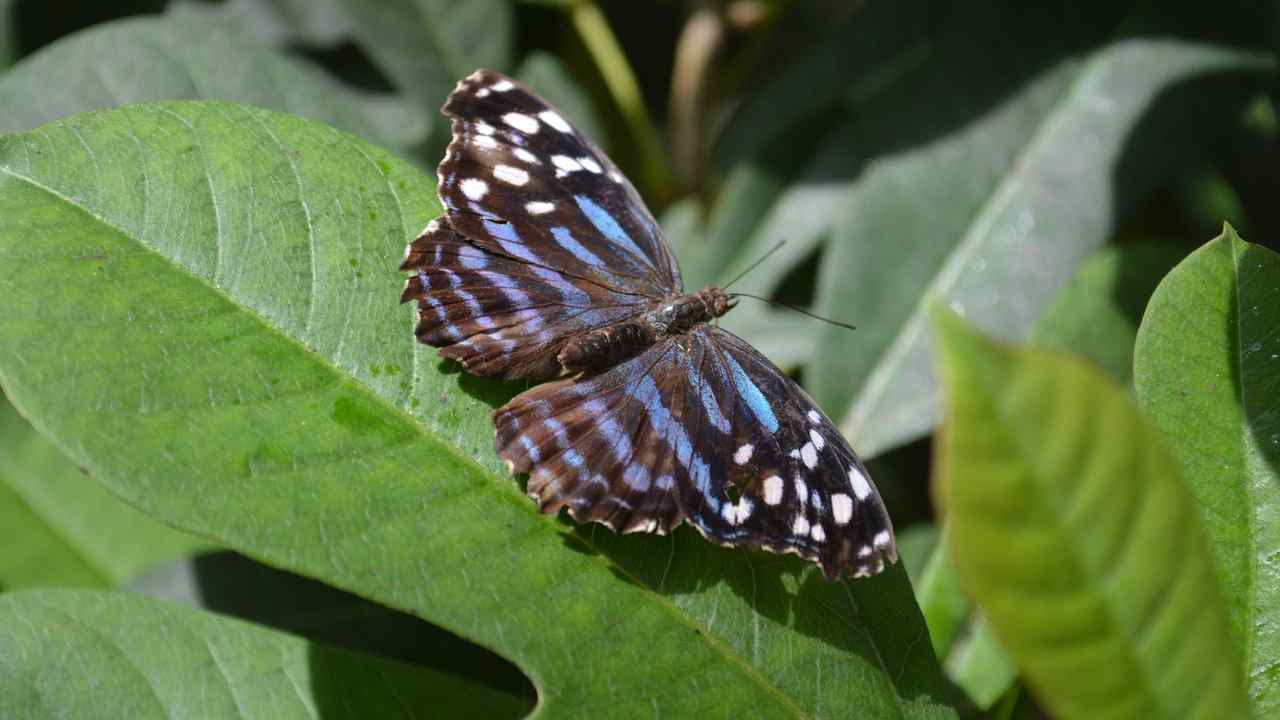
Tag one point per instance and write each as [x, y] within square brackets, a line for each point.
[668, 607]
[1246, 441]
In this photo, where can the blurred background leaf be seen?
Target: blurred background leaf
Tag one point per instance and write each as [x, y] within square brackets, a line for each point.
[1066, 521]
[131, 61]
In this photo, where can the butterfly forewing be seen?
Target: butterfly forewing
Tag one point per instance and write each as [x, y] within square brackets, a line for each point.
[519, 179]
[496, 315]
[545, 242]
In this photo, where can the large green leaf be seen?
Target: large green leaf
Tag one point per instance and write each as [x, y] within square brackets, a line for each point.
[85, 654]
[1067, 523]
[60, 527]
[204, 312]
[142, 59]
[1207, 371]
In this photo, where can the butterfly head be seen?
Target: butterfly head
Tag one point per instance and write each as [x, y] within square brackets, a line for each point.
[717, 301]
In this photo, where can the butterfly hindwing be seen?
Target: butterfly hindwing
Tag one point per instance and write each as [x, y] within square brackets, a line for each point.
[700, 428]
[519, 179]
[799, 487]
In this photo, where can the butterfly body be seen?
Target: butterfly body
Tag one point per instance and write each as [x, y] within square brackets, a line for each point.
[547, 267]
[603, 348]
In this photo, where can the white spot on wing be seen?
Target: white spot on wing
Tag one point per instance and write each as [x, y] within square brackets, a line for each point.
[814, 417]
[809, 454]
[511, 175]
[736, 513]
[484, 128]
[773, 490]
[526, 156]
[842, 508]
[474, 188]
[538, 207]
[591, 164]
[743, 454]
[818, 534]
[816, 437]
[484, 141]
[800, 526]
[553, 119]
[521, 122]
[502, 86]
[482, 93]
[565, 163]
[861, 488]
[881, 540]
[802, 490]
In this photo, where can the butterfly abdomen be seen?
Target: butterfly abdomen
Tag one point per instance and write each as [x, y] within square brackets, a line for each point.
[603, 348]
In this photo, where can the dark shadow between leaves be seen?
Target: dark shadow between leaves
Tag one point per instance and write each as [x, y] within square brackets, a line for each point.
[231, 584]
[916, 71]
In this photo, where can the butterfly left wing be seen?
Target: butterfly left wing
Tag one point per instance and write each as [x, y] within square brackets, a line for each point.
[518, 179]
[700, 428]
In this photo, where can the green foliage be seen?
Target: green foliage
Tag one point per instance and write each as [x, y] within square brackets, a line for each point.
[220, 380]
[180, 57]
[144, 659]
[61, 527]
[201, 217]
[1207, 371]
[1066, 520]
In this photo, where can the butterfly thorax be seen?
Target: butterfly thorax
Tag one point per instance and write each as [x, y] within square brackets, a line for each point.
[607, 346]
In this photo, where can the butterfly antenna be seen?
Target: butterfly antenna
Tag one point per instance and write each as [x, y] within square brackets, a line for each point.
[800, 310]
[755, 264]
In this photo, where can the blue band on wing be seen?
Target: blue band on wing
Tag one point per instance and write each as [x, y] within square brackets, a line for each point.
[755, 399]
[608, 226]
[568, 242]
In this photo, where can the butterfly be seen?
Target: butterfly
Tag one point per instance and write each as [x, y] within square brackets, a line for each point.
[547, 267]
